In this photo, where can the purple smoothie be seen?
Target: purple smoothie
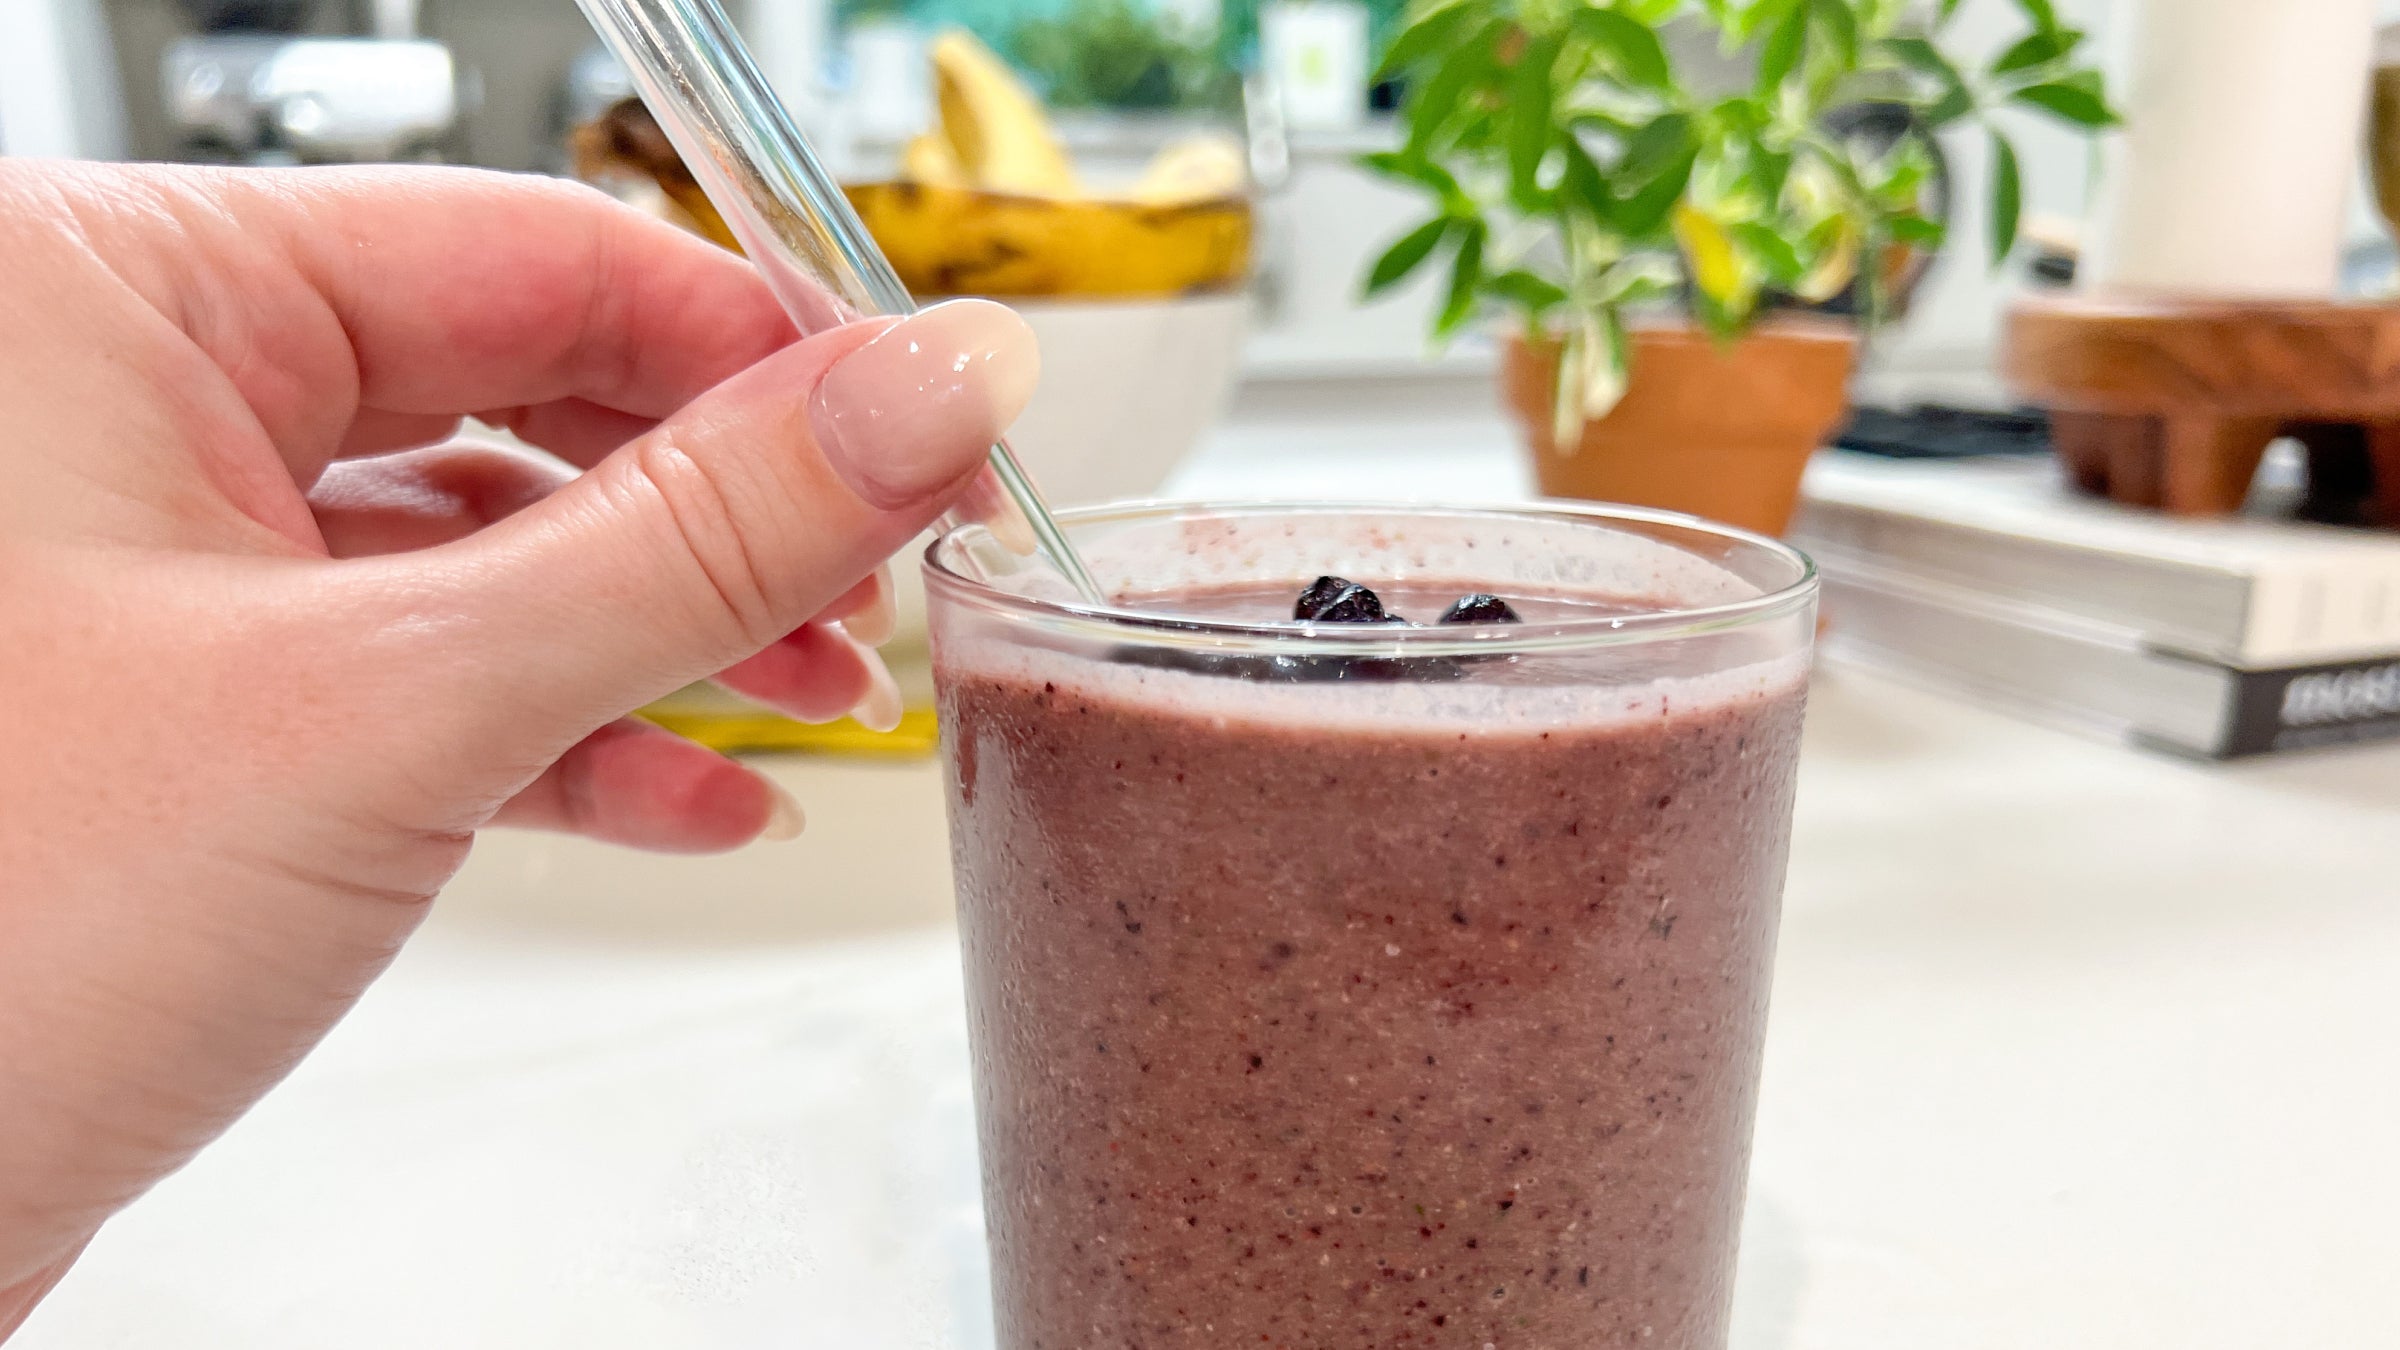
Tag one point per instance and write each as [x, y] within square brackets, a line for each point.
[1364, 1015]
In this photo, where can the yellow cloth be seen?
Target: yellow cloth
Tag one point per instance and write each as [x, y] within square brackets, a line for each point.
[758, 732]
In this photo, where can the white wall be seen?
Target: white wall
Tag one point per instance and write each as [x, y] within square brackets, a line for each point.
[1945, 350]
[58, 80]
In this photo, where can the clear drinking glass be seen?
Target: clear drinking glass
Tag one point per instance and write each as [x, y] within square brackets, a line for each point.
[1362, 986]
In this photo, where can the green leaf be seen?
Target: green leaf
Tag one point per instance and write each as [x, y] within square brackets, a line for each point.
[1633, 280]
[1433, 104]
[1739, 115]
[2037, 49]
[1592, 368]
[1530, 127]
[1744, 20]
[1583, 185]
[1923, 57]
[1771, 251]
[1954, 104]
[1877, 16]
[1840, 26]
[1530, 293]
[1723, 321]
[1423, 38]
[1465, 270]
[1636, 50]
[1650, 11]
[1415, 168]
[1904, 183]
[1920, 55]
[1763, 174]
[1405, 256]
[1606, 124]
[1653, 149]
[1479, 133]
[1874, 304]
[2008, 202]
[1948, 8]
[1916, 230]
[1641, 290]
[1781, 51]
[1644, 210]
[1566, 392]
[1900, 178]
[1830, 262]
[2043, 14]
[1606, 384]
[2073, 103]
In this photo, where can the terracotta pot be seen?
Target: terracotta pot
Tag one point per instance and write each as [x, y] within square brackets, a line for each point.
[1716, 431]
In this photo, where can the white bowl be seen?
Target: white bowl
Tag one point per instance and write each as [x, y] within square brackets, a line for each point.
[1128, 388]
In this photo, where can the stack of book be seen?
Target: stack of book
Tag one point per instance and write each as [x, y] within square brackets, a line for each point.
[2214, 638]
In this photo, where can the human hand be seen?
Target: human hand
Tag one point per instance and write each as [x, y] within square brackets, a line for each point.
[273, 648]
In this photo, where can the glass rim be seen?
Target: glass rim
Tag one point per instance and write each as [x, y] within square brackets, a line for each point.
[1294, 638]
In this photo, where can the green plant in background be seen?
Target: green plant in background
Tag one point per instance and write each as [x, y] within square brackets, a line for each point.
[1107, 54]
[848, 12]
[1576, 175]
[1121, 54]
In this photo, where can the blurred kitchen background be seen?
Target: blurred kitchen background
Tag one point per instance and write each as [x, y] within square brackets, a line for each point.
[498, 83]
[1175, 193]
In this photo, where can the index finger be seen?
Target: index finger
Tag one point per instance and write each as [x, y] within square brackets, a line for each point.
[462, 291]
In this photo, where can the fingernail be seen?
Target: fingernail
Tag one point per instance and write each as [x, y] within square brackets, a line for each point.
[879, 709]
[785, 819]
[908, 413]
[875, 624]
[986, 502]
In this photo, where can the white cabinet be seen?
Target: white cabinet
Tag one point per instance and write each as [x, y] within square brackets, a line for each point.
[1317, 235]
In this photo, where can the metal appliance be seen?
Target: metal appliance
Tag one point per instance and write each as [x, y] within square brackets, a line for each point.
[257, 85]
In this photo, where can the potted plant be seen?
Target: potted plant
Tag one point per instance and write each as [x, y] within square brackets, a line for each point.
[1682, 247]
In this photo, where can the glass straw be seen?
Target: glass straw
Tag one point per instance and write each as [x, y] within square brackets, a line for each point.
[792, 219]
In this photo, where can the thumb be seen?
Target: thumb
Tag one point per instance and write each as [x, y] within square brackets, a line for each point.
[734, 521]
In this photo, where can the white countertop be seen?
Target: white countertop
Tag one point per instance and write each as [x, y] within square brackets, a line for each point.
[2071, 1047]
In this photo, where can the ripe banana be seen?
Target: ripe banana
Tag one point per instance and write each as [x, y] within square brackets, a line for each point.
[988, 203]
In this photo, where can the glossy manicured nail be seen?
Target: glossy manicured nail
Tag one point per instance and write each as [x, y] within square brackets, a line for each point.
[875, 624]
[912, 411]
[987, 503]
[879, 709]
[785, 819]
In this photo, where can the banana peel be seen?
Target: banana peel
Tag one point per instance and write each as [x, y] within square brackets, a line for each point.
[988, 203]
[929, 159]
[1185, 227]
[627, 142]
[947, 240]
[994, 126]
[1200, 170]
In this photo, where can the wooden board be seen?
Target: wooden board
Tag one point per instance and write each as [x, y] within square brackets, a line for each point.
[2172, 404]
